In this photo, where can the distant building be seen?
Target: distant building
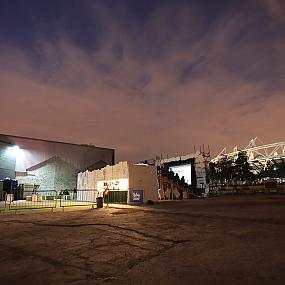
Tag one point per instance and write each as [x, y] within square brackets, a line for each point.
[51, 165]
[7, 161]
[259, 155]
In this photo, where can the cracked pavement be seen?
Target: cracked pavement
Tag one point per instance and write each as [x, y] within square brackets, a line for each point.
[225, 240]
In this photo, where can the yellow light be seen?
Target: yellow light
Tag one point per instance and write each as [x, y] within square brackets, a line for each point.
[115, 184]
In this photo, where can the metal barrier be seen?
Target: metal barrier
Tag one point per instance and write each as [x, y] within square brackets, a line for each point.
[83, 197]
[41, 199]
[2, 201]
[32, 200]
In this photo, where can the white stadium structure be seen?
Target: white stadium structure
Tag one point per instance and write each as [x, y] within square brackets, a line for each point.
[259, 154]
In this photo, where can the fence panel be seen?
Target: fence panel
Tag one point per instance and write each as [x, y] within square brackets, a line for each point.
[83, 197]
[2, 200]
[40, 199]
[117, 197]
[32, 199]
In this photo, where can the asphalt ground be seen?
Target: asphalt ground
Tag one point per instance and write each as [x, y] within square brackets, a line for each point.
[223, 240]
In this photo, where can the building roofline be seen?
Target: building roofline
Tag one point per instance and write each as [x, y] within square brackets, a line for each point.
[8, 143]
[43, 163]
[52, 141]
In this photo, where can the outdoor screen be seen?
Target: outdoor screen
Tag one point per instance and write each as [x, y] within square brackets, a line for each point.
[183, 170]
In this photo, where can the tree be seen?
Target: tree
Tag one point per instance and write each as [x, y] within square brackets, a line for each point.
[229, 171]
[273, 169]
[225, 170]
[213, 172]
[242, 171]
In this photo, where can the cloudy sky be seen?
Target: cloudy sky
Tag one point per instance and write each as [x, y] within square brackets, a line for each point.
[143, 77]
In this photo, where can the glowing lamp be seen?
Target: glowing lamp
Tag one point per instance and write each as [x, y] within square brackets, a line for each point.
[14, 150]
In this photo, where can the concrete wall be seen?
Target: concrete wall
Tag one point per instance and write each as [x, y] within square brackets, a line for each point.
[88, 179]
[43, 176]
[7, 162]
[55, 175]
[65, 176]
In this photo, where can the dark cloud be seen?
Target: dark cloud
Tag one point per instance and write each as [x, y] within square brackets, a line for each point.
[144, 77]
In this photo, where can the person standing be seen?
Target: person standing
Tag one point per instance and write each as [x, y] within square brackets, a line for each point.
[106, 195]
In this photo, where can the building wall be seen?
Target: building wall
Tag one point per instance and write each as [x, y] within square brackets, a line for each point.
[43, 176]
[140, 177]
[111, 172]
[55, 175]
[34, 151]
[7, 162]
[143, 177]
[65, 176]
[88, 179]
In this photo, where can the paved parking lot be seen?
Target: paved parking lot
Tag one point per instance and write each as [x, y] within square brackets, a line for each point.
[225, 240]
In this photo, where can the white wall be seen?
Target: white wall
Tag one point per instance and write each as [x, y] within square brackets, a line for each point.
[143, 177]
[140, 177]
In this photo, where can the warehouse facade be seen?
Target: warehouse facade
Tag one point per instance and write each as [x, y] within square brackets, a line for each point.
[49, 164]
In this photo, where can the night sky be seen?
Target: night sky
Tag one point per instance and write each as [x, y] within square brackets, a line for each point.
[143, 77]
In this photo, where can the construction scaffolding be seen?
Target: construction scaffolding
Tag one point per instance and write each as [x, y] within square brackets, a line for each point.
[199, 185]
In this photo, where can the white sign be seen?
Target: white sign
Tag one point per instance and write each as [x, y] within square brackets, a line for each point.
[116, 184]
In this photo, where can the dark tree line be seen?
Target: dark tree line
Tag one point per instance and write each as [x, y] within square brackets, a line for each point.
[239, 171]
[273, 170]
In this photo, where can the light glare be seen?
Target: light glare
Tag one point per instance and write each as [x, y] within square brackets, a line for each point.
[14, 151]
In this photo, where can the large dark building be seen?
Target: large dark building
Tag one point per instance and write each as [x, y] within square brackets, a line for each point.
[7, 161]
[50, 165]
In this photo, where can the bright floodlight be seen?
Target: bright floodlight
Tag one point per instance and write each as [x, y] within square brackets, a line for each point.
[14, 150]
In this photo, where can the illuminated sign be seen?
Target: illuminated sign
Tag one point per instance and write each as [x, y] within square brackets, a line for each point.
[182, 171]
[116, 184]
[136, 196]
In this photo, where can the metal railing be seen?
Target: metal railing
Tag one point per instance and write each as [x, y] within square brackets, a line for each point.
[2, 201]
[75, 198]
[44, 199]
[32, 200]
[51, 199]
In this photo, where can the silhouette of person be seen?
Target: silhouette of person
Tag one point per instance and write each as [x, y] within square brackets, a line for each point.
[106, 195]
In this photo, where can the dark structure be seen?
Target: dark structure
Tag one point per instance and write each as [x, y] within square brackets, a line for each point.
[174, 185]
[7, 161]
